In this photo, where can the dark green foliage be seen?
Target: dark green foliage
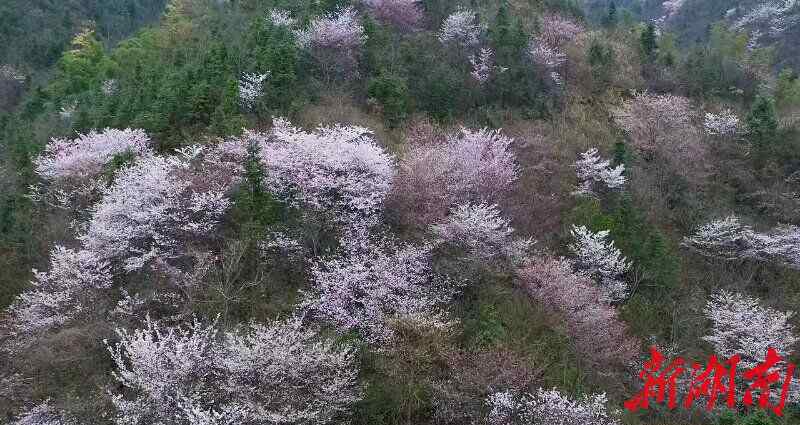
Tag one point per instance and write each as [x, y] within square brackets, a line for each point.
[656, 265]
[762, 123]
[439, 84]
[714, 68]
[610, 20]
[755, 418]
[601, 59]
[507, 37]
[518, 86]
[648, 41]
[391, 93]
[255, 209]
[82, 68]
[379, 40]
[33, 33]
[273, 49]
[787, 89]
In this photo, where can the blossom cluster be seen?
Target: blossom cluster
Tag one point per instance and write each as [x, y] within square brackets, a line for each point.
[192, 375]
[549, 407]
[597, 331]
[110, 87]
[44, 413]
[8, 72]
[772, 18]
[730, 239]
[153, 205]
[598, 258]
[476, 166]
[281, 18]
[593, 171]
[546, 48]
[461, 28]
[660, 123]
[336, 31]
[741, 325]
[250, 88]
[726, 123]
[58, 295]
[85, 156]
[404, 14]
[557, 30]
[338, 169]
[482, 233]
[375, 280]
[483, 66]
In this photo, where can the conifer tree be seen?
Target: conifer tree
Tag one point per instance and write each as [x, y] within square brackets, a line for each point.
[762, 123]
[648, 42]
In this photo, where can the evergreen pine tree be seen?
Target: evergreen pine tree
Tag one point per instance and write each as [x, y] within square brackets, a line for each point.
[648, 41]
[762, 123]
[610, 20]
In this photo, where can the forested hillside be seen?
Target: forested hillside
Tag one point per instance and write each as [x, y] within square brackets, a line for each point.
[399, 212]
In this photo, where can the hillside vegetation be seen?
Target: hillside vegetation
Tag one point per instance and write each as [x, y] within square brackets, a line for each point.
[393, 211]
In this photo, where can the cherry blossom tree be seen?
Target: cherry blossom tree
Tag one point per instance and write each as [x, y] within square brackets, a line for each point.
[726, 123]
[548, 57]
[546, 48]
[549, 407]
[597, 331]
[59, 295]
[85, 156]
[70, 168]
[767, 18]
[44, 414]
[593, 171]
[729, 239]
[557, 30]
[281, 18]
[279, 373]
[483, 66]
[671, 9]
[660, 123]
[481, 232]
[155, 204]
[461, 28]
[375, 279]
[598, 258]
[741, 325]
[334, 41]
[404, 14]
[286, 374]
[475, 166]
[250, 88]
[338, 170]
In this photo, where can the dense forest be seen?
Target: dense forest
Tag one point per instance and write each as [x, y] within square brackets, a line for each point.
[399, 212]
